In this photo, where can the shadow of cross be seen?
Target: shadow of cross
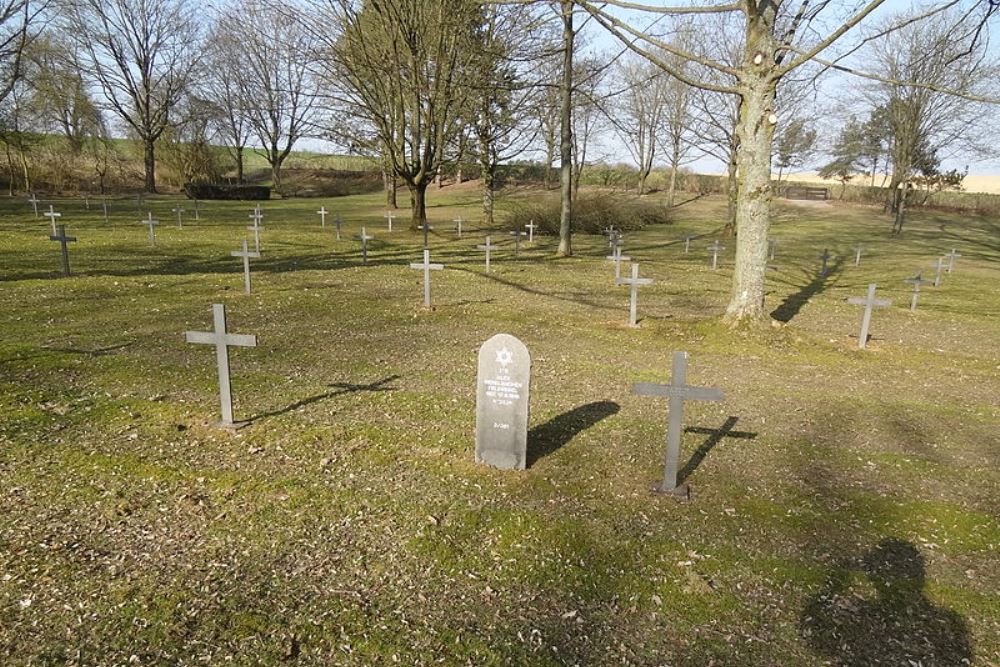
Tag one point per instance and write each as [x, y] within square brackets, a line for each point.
[715, 436]
[338, 389]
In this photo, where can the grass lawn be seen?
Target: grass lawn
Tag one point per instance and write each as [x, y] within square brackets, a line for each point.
[847, 517]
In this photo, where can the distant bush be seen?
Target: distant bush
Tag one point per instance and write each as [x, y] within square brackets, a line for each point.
[592, 213]
[226, 191]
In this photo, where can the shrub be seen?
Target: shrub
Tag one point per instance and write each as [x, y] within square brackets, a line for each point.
[226, 191]
[592, 213]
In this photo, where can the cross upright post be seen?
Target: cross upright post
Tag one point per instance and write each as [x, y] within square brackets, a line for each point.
[610, 232]
[458, 225]
[617, 257]
[937, 271]
[825, 257]
[179, 211]
[687, 244]
[857, 254]
[715, 248]
[390, 216]
[517, 234]
[33, 200]
[531, 227]
[322, 217]
[427, 267]
[772, 245]
[916, 281]
[52, 215]
[364, 238]
[426, 227]
[86, 202]
[104, 205]
[951, 259]
[151, 223]
[488, 247]
[246, 255]
[63, 240]
[256, 228]
[868, 302]
[676, 392]
[634, 282]
[197, 213]
[222, 340]
[337, 223]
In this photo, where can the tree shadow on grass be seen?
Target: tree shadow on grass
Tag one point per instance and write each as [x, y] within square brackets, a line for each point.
[553, 434]
[873, 611]
[336, 389]
[793, 303]
[715, 436]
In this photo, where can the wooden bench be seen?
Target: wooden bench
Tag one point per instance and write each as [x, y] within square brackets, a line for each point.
[804, 192]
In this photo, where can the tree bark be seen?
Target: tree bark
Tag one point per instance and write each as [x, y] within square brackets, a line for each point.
[489, 183]
[239, 165]
[755, 131]
[732, 192]
[418, 204]
[149, 163]
[566, 134]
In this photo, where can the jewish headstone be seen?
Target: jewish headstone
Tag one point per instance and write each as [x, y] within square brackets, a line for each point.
[502, 388]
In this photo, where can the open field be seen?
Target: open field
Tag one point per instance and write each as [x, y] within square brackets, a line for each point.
[989, 184]
[844, 506]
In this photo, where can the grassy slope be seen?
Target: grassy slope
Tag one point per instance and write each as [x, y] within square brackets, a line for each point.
[350, 526]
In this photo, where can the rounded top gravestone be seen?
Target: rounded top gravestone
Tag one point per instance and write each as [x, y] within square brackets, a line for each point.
[502, 386]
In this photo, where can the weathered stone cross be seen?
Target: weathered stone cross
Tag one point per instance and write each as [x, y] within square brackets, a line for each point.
[458, 225]
[951, 259]
[197, 213]
[825, 257]
[337, 223]
[517, 234]
[868, 302]
[322, 217]
[151, 223]
[246, 255]
[916, 281]
[617, 257]
[33, 200]
[488, 247]
[256, 228]
[104, 205]
[937, 271]
[676, 392]
[634, 282]
[426, 228]
[857, 254]
[716, 248]
[390, 216]
[179, 211]
[772, 245]
[222, 339]
[687, 244]
[531, 227]
[52, 215]
[63, 240]
[364, 238]
[427, 267]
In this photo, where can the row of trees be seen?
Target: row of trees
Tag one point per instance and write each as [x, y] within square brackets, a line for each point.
[419, 84]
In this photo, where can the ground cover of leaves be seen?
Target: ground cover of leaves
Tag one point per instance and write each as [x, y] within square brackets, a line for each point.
[847, 517]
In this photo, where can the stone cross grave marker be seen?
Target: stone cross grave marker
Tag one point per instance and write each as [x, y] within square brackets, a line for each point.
[716, 248]
[916, 281]
[427, 267]
[517, 234]
[337, 222]
[33, 200]
[772, 246]
[687, 244]
[197, 212]
[502, 386]
[104, 205]
[868, 302]
[937, 271]
[531, 227]
[951, 259]
[676, 392]
[488, 247]
[611, 233]
[151, 223]
[222, 340]
[426, 228]
[322, 217]
[179, 211]
[634, 282]
[246, 255]
[51, 214]
[857, 254]
[825, 257]
[256, 228]
[364, 238]
[86, 202]
[390, 216]
[63, 240]
[458, 225]
[617, 257]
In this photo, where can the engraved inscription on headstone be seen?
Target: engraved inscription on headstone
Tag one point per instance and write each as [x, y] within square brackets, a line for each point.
[502, 387]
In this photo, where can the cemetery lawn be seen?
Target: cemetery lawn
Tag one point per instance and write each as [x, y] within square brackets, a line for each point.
[848, 516]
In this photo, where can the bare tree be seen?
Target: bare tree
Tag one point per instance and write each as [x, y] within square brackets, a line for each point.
[16, 19]
[141, 53]
[273, 71]
[222, 90]
[640, 113]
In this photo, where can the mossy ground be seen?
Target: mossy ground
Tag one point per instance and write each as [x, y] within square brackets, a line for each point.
[348, 523]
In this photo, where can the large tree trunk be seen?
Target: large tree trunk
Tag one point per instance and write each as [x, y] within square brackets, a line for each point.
[239, 165]
[566, 134]
[755, 131]
[149, 163]
[489, 185]
[897, 223]
[418, 204]
[732, 192]
[389, 183]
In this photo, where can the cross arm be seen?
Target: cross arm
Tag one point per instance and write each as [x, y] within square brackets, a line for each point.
[241, 340]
